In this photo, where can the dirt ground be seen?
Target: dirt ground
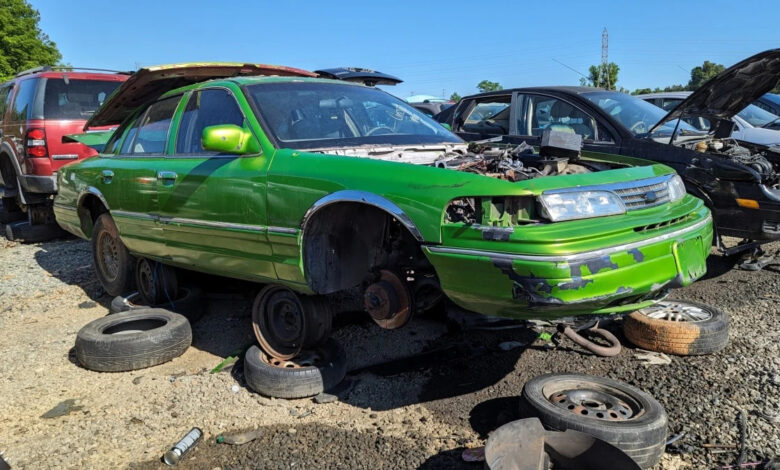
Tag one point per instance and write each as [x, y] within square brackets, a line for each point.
[414, 398]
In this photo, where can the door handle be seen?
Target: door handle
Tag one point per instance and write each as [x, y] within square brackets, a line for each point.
[107, 176]
[166, 176]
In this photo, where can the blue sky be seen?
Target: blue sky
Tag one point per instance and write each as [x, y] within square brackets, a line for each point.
[435, 47]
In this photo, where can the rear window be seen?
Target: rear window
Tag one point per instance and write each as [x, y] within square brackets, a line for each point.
[75, 99]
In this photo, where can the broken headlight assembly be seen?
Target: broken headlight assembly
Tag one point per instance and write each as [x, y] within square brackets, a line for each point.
[571, 205]
[493, 211]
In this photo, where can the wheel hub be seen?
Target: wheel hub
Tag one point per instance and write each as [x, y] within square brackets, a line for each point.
[676, 311]
[593, 404]
[388, 301]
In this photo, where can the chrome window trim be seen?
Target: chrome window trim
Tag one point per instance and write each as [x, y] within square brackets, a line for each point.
[585, 255]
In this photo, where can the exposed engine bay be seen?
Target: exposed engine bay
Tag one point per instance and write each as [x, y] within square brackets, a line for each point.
[515, 163]
[765, 161]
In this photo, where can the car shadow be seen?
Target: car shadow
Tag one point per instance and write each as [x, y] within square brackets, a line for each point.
[455, 364]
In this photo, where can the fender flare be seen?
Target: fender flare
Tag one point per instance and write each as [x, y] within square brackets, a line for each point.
[363, 197]
[93, 191]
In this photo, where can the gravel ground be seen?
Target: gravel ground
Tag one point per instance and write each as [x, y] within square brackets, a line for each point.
[397, 409]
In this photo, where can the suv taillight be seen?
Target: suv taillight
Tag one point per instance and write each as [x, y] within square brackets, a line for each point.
[35, 143]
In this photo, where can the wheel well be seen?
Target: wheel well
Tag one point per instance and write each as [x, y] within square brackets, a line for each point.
[345, 243]
[7, 171]
[90, 208]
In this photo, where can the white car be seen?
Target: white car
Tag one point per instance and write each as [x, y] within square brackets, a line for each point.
[749, 124]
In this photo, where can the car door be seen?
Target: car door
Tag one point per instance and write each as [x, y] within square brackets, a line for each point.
[485, 117]
[130, 177]
[536, 113]
[213, 206]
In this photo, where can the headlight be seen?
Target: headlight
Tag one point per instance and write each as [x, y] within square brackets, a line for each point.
[581, 205]
[676, 188]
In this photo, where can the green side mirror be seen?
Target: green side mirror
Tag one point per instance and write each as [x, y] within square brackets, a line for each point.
[229, 138]
[446, 126]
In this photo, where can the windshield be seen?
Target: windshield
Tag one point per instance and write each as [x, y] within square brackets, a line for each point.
[636, 115]
[317, 115]
[774, 98]
[756, 116]
[75, 99]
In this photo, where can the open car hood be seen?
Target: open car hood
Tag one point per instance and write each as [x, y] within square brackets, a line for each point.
[149, 83]
[355, 74]
[729, 92]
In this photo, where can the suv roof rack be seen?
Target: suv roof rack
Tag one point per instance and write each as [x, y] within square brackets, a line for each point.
[65, 68]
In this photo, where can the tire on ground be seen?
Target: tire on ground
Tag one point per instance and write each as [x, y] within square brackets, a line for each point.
[295, 382]
[9, 211]
[124, 279]
[189, 303]
[642, 438]
[132, 340]
[679, 337]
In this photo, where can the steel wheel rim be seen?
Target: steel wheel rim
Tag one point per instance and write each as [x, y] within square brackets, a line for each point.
[146, 280]
[677, 311]
[279, 323]
[108, 256]
[592, 400]
[307, 358]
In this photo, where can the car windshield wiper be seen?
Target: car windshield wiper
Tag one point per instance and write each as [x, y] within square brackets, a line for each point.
[770, 123]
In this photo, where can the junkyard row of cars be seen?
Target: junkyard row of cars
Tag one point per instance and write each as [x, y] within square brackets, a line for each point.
[529, 203]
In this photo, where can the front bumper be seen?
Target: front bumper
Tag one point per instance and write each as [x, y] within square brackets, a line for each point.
[608, 280]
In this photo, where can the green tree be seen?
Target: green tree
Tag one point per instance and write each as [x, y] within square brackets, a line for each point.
[704, 72]
[22, 43]
[455, 96]
[607, 80]
[486, 85]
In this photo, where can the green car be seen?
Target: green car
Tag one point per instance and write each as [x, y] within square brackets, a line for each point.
[336, 193]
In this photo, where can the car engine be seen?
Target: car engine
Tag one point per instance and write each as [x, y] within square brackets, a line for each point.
[766, 162]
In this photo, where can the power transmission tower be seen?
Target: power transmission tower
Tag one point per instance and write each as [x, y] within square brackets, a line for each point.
[604, 69]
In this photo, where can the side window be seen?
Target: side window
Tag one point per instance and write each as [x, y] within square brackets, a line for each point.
[670, 103]
[4, 94]
[152, 132]
[205, 108]
[24, 100]
[544, 112]
[489, 116]
[604, 135]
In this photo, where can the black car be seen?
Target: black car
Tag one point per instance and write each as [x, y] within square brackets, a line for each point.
[740, 182]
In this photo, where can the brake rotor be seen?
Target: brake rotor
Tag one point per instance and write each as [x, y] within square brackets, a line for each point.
[388, 301]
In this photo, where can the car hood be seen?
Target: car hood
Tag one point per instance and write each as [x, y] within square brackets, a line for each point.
[757, 135]
[729, 92]
[355, 74]
[149, 83]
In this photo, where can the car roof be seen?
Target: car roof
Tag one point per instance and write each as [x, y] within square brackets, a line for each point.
[665, 94]
[566, 89]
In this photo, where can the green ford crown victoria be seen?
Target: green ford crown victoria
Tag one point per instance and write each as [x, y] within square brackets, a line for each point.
[329, 190]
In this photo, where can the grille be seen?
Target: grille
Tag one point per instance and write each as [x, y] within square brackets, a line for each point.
[642, 197]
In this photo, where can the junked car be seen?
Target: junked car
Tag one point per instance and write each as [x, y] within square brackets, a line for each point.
[770, 102]
[739, 181]
[752, 124]
[329, 190]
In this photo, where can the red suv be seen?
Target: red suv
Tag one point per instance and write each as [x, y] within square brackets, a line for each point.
[37, 108]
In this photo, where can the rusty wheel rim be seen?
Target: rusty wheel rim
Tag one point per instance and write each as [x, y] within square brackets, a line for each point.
[591, 400]
[108, 256]
[279, 322]
[677, 312]
[307, 358]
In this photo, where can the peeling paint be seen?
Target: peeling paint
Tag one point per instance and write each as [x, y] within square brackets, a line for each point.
[575, 283]
[638, 256]
[496, 234]
[527, 287]
[594, 265]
